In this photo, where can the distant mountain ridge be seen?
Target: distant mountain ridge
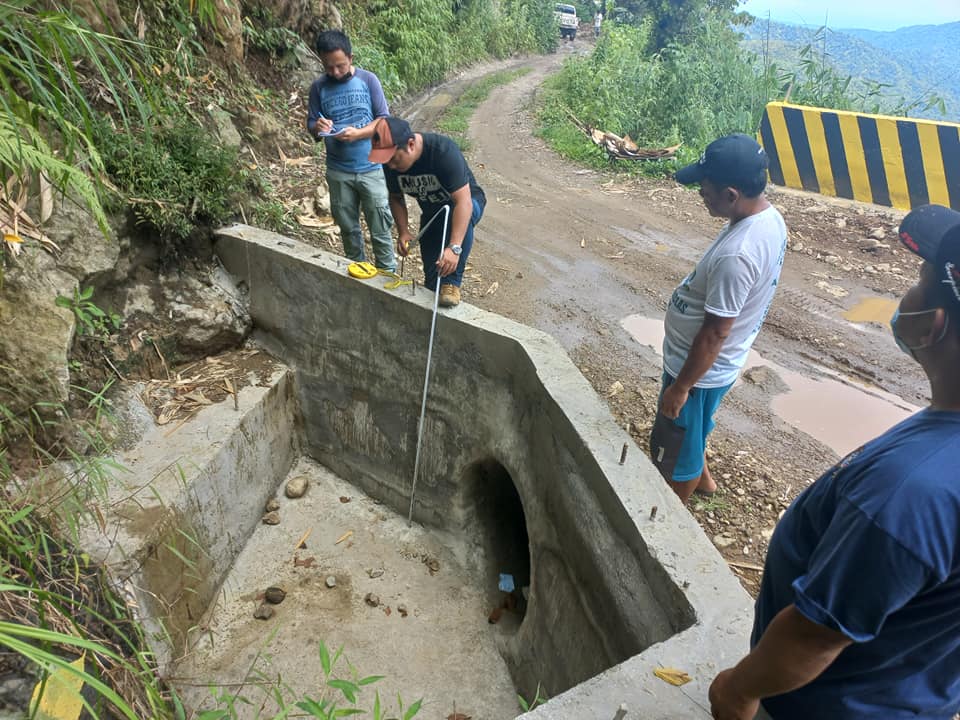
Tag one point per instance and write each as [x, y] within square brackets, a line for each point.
[914, 60]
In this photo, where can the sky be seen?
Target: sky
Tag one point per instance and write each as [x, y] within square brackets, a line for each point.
[868, 14]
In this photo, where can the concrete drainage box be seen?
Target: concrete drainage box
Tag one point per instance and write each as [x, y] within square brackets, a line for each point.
[614, 589]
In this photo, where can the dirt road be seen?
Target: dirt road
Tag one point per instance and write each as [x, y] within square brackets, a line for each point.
[584, 256]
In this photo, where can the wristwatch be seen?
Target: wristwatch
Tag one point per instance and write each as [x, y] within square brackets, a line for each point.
[456, 250]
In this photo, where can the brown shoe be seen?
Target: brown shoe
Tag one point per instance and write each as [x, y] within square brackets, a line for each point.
[449, 295]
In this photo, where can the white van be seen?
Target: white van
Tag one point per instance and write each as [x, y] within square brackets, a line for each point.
[567, 17]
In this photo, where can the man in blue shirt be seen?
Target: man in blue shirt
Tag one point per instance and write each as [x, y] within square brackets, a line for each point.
[345, 104]
[859, 611]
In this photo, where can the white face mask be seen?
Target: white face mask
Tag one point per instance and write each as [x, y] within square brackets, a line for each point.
[911, 349]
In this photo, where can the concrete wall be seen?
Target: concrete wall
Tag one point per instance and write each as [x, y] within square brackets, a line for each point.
[187, 503]
[610, 583]
[898, 162]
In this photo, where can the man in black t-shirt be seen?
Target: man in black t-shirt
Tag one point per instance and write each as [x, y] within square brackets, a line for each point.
[432, 169]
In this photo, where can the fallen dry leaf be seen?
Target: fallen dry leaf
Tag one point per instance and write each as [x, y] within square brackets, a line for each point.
[672, 676]
[493, 288]
[313, 221]
[306, 562]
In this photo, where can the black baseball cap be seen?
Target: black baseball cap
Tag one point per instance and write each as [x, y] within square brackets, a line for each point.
[388, 134]
[730, 161]
[933, 233]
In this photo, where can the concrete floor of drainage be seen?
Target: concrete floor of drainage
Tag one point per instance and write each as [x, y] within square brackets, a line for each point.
[444, 650]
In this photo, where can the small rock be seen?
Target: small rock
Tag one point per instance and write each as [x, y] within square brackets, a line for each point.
[331, 581]
[614, 389]
[296, 487]
[722, 541]
[799, 247]
[834, 290]
[321, 200]
[371, 599]
[433, 565]
[272, 505]
[274, 595]
[841, 223]
[873, 245]
[519, 276]
[374, 572]
[271, 518]
[344, 499]
[878, 233]
[833, 259]
[870, 270]
[402, 609]
[264, 612]
[883, 267]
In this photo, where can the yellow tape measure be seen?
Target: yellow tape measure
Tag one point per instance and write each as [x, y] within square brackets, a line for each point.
[361, 270]
[365, 271]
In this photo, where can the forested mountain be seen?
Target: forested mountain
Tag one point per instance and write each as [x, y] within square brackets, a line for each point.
[911, 63]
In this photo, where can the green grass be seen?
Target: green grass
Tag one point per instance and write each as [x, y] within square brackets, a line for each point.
[455, 121]
[714, 503]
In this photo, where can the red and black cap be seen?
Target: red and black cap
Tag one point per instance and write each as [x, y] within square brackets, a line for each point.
[933, 233]
[388, 134]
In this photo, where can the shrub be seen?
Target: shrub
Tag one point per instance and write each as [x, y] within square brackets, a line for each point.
[175, 178]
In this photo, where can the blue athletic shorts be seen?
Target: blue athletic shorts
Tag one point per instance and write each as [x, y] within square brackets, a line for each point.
[696, 417]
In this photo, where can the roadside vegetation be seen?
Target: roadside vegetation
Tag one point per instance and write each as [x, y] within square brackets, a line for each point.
[676, 72]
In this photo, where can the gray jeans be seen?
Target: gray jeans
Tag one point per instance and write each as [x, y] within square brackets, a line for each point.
[349, 192]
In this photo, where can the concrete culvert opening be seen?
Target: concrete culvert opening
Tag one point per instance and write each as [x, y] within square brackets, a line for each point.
[501, 531]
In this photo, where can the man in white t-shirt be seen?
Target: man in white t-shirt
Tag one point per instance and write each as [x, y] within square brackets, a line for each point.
[716, 312]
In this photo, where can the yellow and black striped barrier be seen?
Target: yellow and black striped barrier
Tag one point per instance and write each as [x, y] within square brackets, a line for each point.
[898, 162]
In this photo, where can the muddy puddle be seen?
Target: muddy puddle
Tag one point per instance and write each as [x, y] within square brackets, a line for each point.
[877, 310]
[396, 598]
[835, 410]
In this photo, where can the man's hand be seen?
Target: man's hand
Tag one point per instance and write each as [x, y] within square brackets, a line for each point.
[447, 263]
[403, 242]
[349, 134]
[322, 125]
[728, 704]
[673, 400]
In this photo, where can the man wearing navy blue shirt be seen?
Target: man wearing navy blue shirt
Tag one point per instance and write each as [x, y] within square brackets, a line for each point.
[432, 169]
[345, 104]
[858, 615]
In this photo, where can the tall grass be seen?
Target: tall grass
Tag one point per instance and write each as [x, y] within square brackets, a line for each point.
[417, 43]
[54, 71]
[55, 605]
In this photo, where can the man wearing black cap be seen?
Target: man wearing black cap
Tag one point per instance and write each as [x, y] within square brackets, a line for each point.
[716, 312]
[858, 615]
[432, 169]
